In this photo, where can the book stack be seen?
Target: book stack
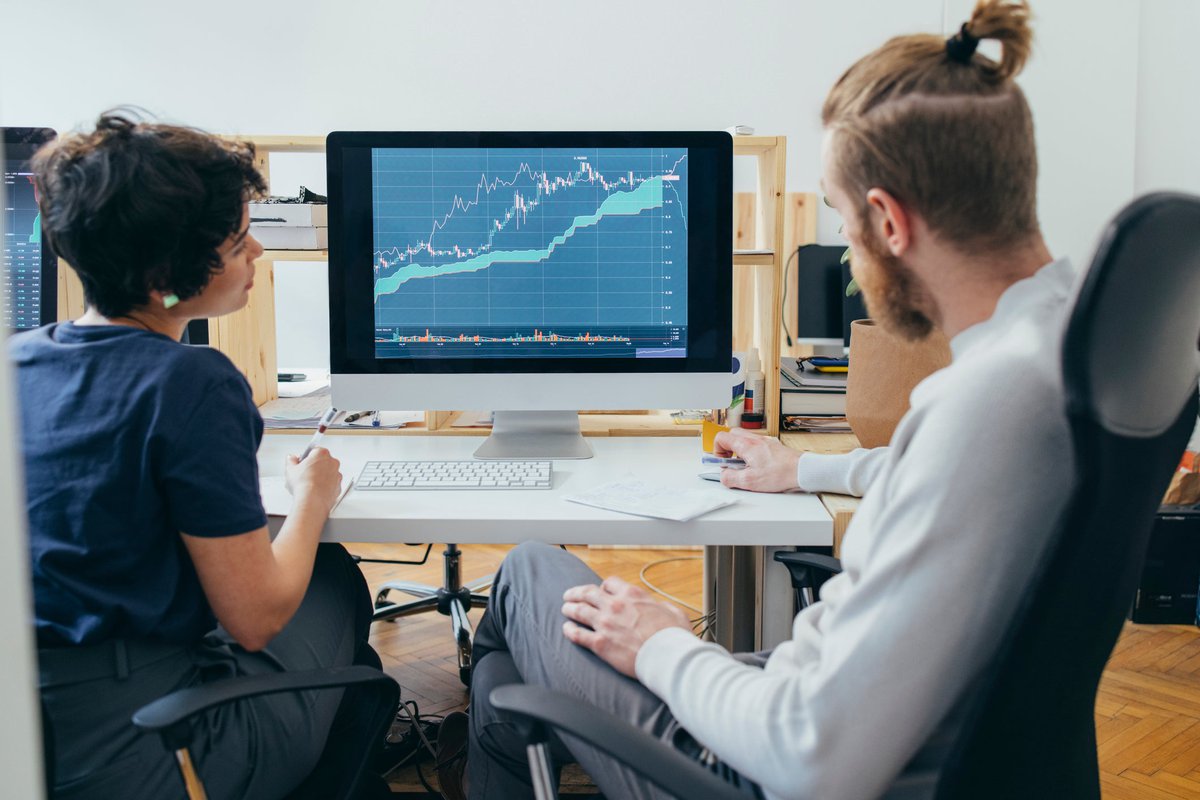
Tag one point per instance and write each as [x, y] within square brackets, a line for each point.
[290, 225]
[810, 400]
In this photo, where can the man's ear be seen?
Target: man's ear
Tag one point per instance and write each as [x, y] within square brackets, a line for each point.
[891, 221]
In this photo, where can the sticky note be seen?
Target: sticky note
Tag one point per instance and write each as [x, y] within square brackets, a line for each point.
[708, 433]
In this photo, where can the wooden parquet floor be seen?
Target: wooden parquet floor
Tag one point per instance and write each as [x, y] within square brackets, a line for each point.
[1147, 711]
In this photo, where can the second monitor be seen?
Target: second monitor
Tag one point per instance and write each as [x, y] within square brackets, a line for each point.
[532, 274]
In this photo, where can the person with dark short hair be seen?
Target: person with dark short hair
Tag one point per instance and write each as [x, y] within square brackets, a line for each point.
[145, 522]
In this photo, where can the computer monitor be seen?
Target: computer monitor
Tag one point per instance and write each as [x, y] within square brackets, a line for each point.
[30, 270]
[531, 274]
[824, 311]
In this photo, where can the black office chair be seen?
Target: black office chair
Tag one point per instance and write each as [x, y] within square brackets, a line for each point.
[1025, 727]
[453, 599]
[171, 718]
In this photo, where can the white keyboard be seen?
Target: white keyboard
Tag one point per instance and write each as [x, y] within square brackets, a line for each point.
[421, 475]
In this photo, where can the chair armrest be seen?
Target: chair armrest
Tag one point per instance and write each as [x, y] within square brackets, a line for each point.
[827, 564]
[169, 715]
[651, 758]
[809, 572]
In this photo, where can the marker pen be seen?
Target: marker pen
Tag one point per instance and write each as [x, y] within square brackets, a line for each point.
[321, 428]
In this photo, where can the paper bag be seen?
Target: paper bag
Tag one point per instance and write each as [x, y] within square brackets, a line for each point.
[884, 369]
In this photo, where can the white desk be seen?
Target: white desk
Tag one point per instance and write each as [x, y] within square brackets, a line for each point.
[474, 517]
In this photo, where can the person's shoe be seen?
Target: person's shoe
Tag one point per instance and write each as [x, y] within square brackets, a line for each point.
[452, 755]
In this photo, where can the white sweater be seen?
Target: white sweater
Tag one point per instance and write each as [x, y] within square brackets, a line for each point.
[960, 504]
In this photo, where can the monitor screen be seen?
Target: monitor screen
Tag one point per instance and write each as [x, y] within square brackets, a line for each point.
[29, 267]
[537, 252]
[824, 309]
[530, 252]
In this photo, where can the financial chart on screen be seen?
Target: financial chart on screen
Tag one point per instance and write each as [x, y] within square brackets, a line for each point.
[541, 252]
[22, 265]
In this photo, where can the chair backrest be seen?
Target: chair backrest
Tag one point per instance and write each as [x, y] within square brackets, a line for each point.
[1129, 359]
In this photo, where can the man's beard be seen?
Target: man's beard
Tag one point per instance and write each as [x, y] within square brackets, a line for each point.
[895, 297]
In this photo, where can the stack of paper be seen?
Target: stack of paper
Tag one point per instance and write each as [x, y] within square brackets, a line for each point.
[284, 224]
[815, 424]
[306, 412]
[648, 500]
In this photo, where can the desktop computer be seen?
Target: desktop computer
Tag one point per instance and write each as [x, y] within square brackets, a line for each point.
[531, 274]
[824, 309]
[30, 270]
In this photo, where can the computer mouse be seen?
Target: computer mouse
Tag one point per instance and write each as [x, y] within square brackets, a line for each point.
[714, 475]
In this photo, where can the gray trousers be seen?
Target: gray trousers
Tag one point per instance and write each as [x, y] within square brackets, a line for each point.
[520, 640]
[259, 748]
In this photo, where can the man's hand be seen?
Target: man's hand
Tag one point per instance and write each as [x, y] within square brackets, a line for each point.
[770, 464]
[621, 617]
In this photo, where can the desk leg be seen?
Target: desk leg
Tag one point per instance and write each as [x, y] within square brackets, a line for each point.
[730, 589]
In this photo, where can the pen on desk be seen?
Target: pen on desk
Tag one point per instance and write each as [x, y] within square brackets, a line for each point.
[357, 415]
[730, 463]
[321, 428]
[374, 419]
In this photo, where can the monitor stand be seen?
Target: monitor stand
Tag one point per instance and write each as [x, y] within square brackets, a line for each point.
[535, 435]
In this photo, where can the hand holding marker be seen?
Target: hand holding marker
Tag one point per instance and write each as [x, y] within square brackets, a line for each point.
[321, 428]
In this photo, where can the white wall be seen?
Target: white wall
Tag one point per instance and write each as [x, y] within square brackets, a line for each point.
[1168, 156]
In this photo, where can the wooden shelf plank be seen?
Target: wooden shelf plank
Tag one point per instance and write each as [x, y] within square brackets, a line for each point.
[284, 144]
[754, 145]
[753, 259]
[294, 255]
[655, 423]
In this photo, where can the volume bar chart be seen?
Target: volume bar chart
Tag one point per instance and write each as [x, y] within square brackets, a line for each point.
[537, 336]
[542, 252]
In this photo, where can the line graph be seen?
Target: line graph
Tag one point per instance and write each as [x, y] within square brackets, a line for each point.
[509, 242]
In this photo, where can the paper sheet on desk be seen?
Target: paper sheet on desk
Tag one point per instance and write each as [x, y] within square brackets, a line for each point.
[277, 500]
[648, 500]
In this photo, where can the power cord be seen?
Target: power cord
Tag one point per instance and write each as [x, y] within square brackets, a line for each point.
[704, 625]
[417, 723]
[667, 595]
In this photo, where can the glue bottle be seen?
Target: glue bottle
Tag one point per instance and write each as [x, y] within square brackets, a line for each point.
[756, 399]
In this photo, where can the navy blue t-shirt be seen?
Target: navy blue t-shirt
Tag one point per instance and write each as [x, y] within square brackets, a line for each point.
[129, 438]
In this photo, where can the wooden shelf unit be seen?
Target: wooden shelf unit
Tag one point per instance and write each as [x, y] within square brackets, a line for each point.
[769, 225]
